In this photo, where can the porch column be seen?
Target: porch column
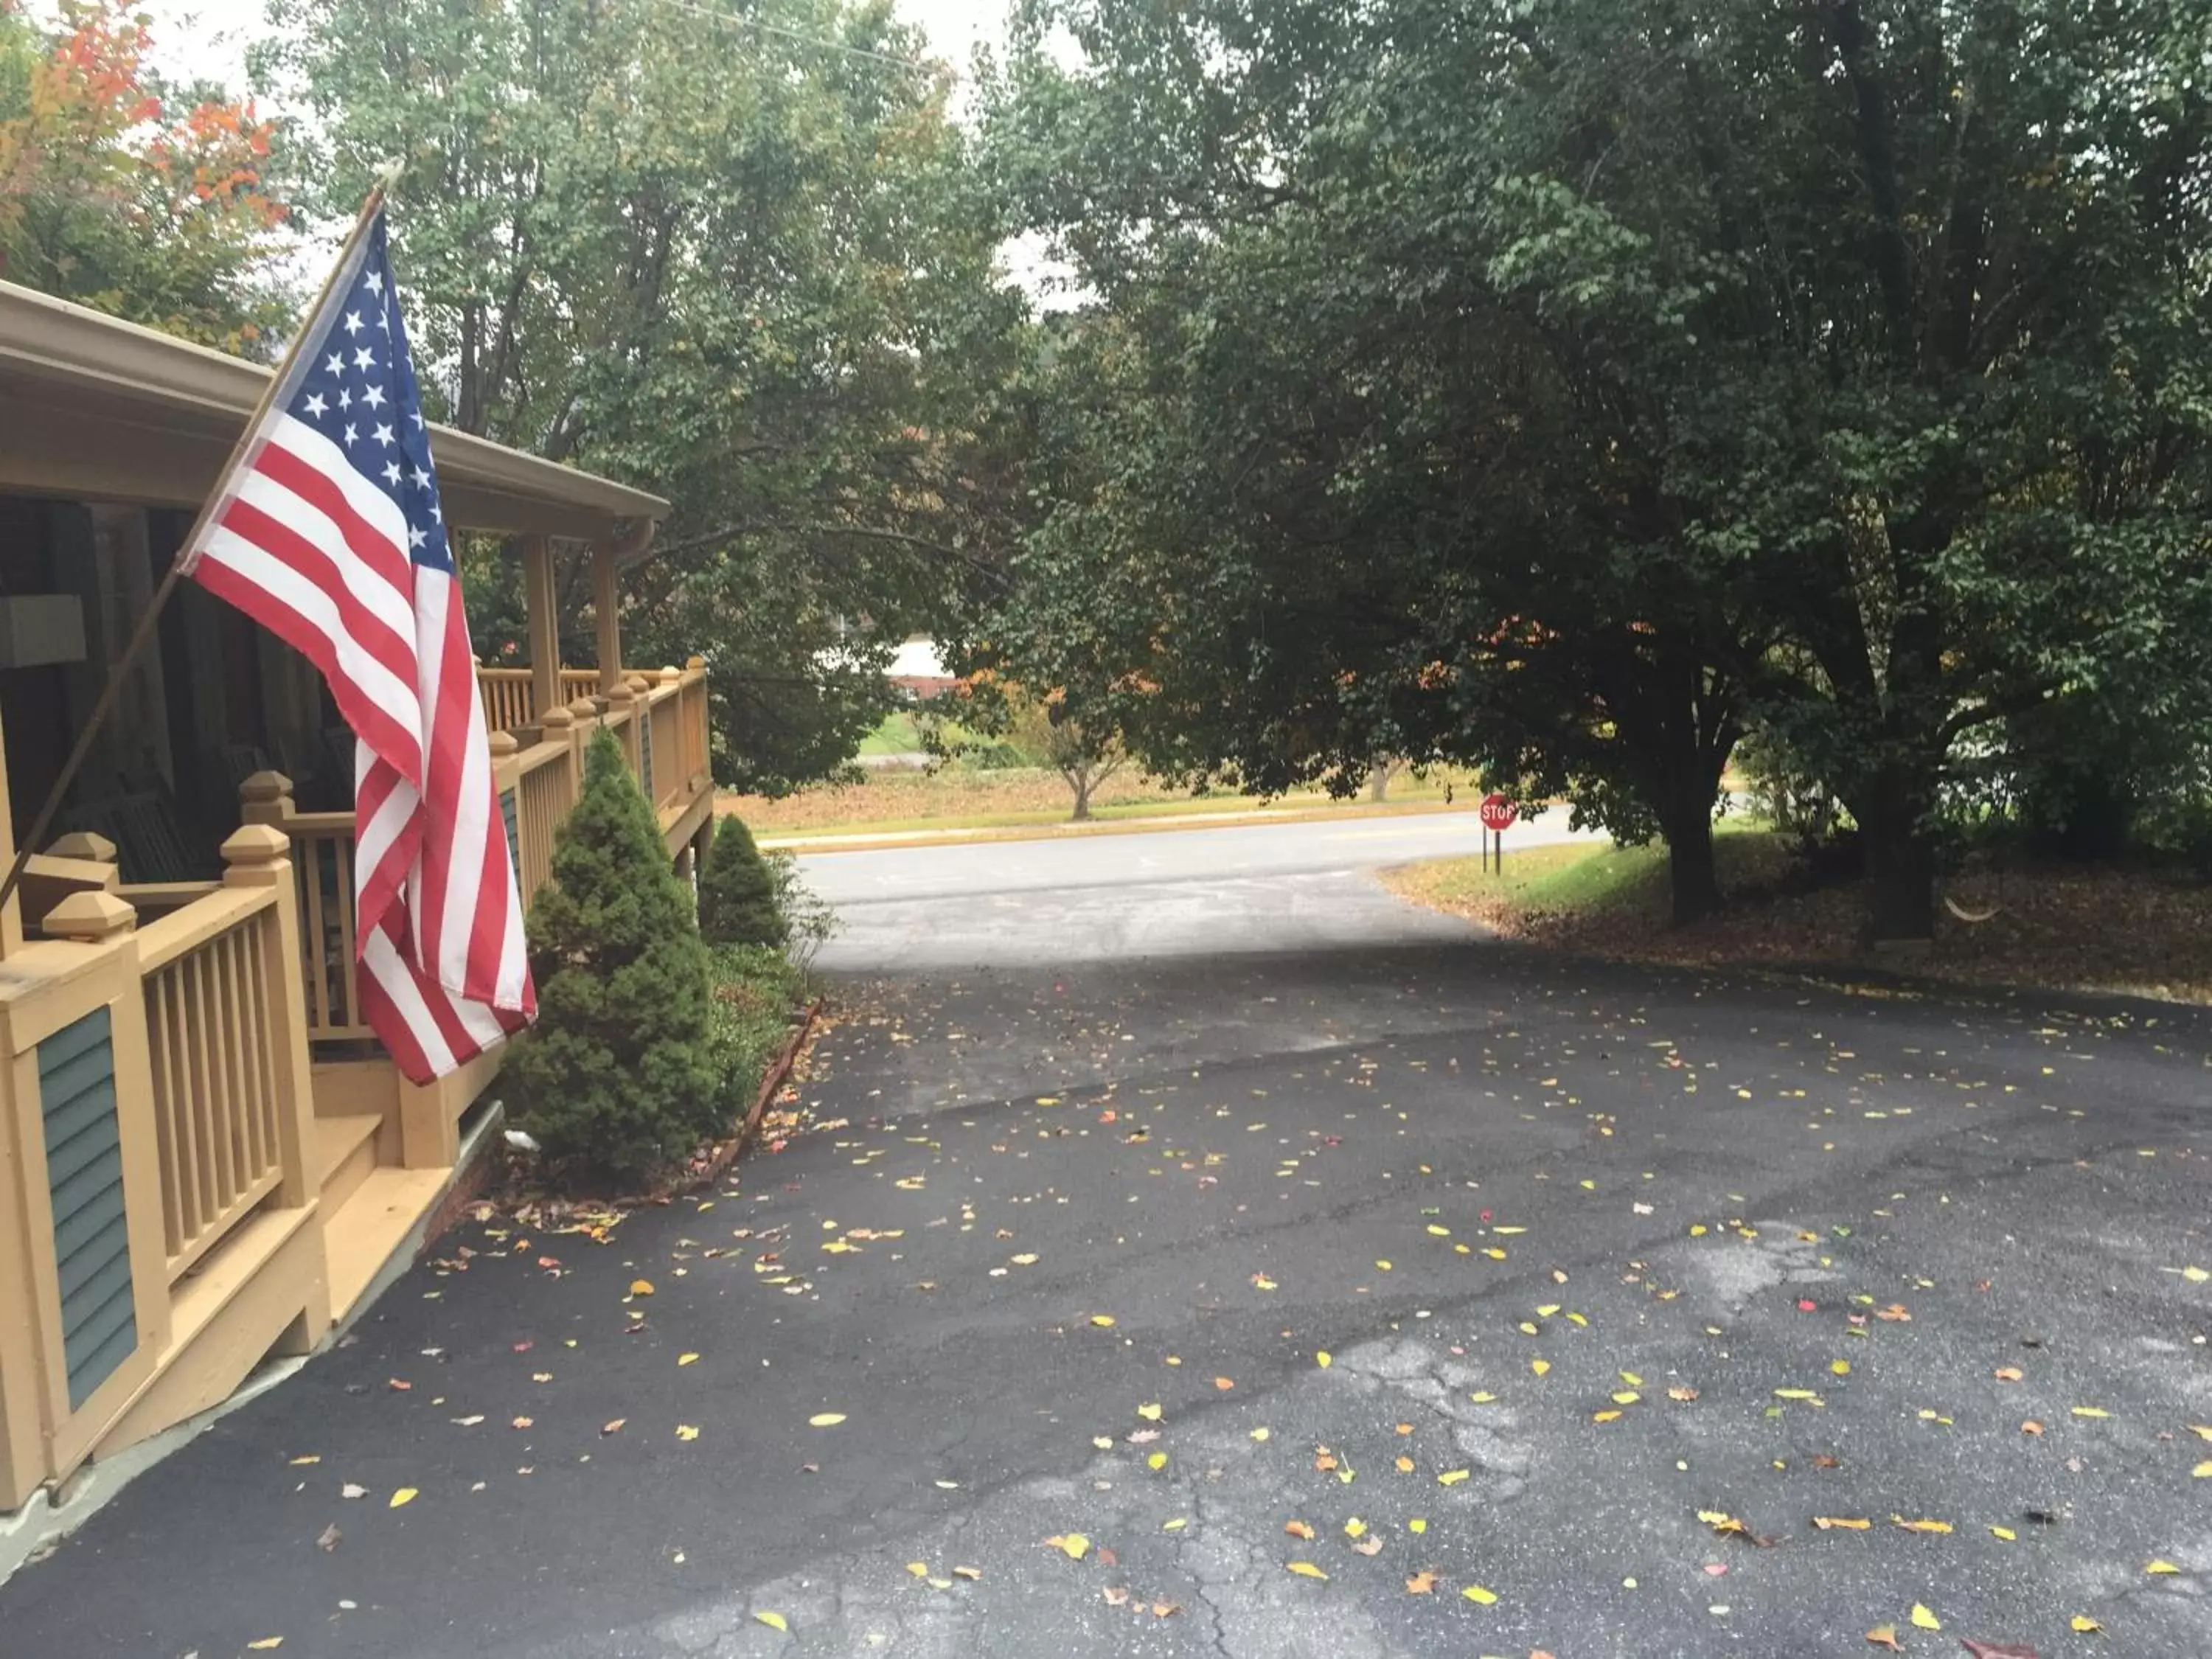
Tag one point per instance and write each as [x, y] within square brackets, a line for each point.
[607, 606]
[544, 625]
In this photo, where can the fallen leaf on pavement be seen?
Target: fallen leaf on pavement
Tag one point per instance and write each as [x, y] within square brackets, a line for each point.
[2007, 1373]
[687, 1431]
[1923, 1620]
[687, 1359]
[1422, 1583]
[1166, 1610]
[2203, 1471]
[1369, 1546]
[2162, 1567]
[919, 1568]
[1306, 1569]
[773, 1621]
[396, 1385]
[1452, 1477]
[1824, 1522]
[1298, 1529]
[328, 1540]
[1723, 1522]
[1150, 1413]
[523, 1422]
[1117, 1594]
[1107, 1558]
[266, 1642]
[825, 1419]
[1682, 1393]
[644, 1287]
[1321, 1358]
[1885, 1636]
[1224, 1383]
[2082, 1624]
[613, 1425]
[1476, 1594]
[969, 1573]
[1104, 1321]
[1920, 1526]
[302, 1463]
[2031, 1427]
[2091, 1411]
[404, 1495]
[349, 1489]
[1074, 1545]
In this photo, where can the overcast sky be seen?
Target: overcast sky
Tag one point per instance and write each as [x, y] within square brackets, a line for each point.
[210, 37]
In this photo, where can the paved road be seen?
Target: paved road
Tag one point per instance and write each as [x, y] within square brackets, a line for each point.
[1065, 1252]
[1279, 887]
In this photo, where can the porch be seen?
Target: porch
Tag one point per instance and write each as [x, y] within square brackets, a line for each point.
[205, 1159]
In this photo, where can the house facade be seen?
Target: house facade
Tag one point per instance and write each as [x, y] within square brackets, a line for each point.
[206, 1160]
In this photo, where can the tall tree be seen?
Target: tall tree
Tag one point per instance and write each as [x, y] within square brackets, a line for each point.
[122, 191]
[736, 257]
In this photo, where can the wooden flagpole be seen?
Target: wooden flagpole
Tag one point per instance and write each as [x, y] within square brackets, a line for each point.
[143, 634]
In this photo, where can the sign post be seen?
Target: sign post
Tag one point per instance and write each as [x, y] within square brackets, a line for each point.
[1497, 813]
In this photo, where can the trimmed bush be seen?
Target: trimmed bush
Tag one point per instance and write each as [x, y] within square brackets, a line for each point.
[736, 894]
[618, 1080]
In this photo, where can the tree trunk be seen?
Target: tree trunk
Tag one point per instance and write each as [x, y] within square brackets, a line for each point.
[1080, 782]
[1900, 860]
[1693, 880]
[1378, 780]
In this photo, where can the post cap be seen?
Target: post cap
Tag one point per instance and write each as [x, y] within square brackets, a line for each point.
[694, 662]
[256, 843]
[89, 917]
[504, 744]
[85, 844]
[265, 787]
[558, 719]
[583, 708]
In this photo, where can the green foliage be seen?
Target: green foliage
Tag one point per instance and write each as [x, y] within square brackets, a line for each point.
[752, 990]
[1562, 389]
[616, 1081]
[737, 891]
[743, 268]
[122, 192]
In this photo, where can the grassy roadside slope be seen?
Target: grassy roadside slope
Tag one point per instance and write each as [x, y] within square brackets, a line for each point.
[2100, 928]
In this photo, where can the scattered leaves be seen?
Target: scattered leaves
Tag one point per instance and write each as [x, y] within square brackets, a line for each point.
[1074, 1545]
[1306, 1569]
[1920, 1526]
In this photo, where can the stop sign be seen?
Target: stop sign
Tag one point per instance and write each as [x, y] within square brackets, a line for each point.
[1498, 812]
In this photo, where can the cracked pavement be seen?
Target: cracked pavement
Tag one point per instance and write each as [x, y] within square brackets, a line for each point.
[1657, 1244]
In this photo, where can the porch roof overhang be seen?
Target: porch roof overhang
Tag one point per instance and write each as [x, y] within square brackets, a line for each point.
[93, 407]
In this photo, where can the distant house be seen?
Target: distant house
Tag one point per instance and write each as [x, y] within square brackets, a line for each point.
[918, 670]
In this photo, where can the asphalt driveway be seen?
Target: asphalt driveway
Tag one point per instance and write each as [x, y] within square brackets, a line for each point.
[1559, 1304]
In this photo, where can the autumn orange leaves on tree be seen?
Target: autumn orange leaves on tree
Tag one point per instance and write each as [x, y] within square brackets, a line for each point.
[125, 193]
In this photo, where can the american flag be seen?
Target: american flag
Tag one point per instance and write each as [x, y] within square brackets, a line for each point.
[327, 532]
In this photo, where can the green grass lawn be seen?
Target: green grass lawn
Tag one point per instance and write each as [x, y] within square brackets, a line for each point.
[1581, 879]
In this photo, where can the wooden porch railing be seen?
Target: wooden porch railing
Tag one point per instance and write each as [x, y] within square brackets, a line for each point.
[509, 702]
[206, 970]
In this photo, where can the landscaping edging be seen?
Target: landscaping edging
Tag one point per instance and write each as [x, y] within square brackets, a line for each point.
[778, 1073]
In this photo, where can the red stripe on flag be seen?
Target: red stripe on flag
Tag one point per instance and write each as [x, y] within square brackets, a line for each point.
[385, 558]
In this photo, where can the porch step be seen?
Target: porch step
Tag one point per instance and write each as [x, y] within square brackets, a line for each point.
[361, 1234]
[261, 1285]
[346, 1153]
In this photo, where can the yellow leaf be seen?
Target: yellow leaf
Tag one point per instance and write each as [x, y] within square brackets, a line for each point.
[1721, 1521]
[1547, 1311]
[2203, 1471]
[1481, 1597]
[1157, 1461]
[1104, 1321]
[2162, 1567]
[1604, 1417]
[1298, 1529]
[2005, 1532]
[919, 1568]
[773, 1621]
[1696, 1230]
[1405, 1465]
[302, 1463]
[1452, 1477]
[1416, 1526]
[1923, 1618]
[1074, 1545]
[1824, 1522]
[640, 1287]
[825, 1419]
[266, 1642]
[687, 1359]
[1527, 1329]
[1920, 1526]
[1322, 1359]
[1539, 1366]
[1435, 1231]
[1307, 1570]
[1626, 1397]
[1175, 1523]
[2082, 1625]
[687, 1431]
[1631, 1379]
[1795, 1394]
[1840, 1367]
[1493, 1253]
[1261, 1434]
[2203, 1432]
[1355, 1527]
[1382, 1264]
[967, 1572]
[2195, 1275]
[2091, 1411]
[404, 1495]
[1103, 1442]
[1482, 1396]
[1150, 1413]
[1027, 1258]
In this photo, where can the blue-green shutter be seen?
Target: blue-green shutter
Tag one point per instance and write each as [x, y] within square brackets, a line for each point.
[84, 1178]
[507, 809]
